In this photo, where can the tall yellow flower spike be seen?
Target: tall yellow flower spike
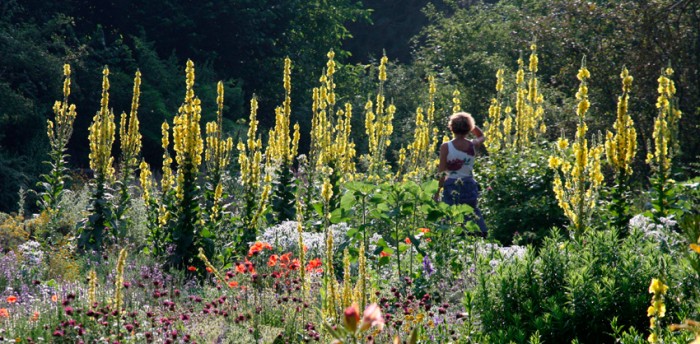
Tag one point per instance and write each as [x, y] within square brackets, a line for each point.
[129, 135]
[494, 127]
[421, 152]
[529, 110]
[578, 176]
[657, 309]
[379, 127]
[101, 135]
[60, 130]
[621, 147]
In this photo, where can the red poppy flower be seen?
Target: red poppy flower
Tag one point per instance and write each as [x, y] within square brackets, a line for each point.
[12, 299]
[191, 268]
[240, 268]
[384, 254]
[209, 270]
[407, 240]
[233, 284]
[295, 264]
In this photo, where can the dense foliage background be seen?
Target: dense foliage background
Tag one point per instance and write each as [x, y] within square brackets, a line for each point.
[463, 43]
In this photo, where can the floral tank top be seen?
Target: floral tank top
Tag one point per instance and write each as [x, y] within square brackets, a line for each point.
[459, 164]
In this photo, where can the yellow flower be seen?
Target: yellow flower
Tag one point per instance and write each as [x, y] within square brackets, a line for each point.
[553, 162]
[562, 143]
[695, 247]
[657, 287]
[652, 338]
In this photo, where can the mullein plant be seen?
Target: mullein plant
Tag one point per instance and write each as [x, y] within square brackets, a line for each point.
[493, 128]
[529, 118]
[59, 131]
[330, 283]
[177, 218]
[100, 221]
[256, 187]
[130, 144]
[578, 174]
[660, 158]
[378, 127]
[185, 227]
[420, 153]
[657, 309]
[158, 202]
[282, 150]
[332, 150]
[217, 156]
[620, 150]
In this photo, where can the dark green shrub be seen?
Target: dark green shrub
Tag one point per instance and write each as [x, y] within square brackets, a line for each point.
[572, 289]
[517, 196]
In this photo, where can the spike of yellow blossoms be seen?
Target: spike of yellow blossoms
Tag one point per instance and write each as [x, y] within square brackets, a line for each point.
[621, 147]
[102, 134]
[578, 176]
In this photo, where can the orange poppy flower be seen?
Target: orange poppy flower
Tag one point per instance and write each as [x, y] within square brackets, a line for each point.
[54, 298]
[384, 254]
[209, 270]
[285, 258]
[191, 268]
[314, 265]
[12, 299]
[240, 268]
[424, 230]
[4, 313]
[272, 261]
[233, 284]
[407, 240]
[35, 317]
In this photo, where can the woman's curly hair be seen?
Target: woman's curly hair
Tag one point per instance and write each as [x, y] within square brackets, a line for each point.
[461, 123]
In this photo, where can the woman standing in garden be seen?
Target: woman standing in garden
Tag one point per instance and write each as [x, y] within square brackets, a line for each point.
[457, 165]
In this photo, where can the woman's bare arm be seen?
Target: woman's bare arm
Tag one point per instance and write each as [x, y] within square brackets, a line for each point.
[480, 138]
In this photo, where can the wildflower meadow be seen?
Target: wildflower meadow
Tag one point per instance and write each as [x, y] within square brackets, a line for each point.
[321, 218]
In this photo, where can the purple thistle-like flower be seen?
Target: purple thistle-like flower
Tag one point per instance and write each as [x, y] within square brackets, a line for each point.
[428, 266]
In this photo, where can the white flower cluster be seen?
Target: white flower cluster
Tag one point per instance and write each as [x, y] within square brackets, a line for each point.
[497, 253]
[658, 232]
[31, 253]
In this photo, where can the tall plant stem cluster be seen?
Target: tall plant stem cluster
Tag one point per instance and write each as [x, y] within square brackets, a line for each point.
[578, 176]
[504, 130]
[528, 106]
[100, 222]
[187, 215]
[59, 132]
[420, 153]
[332, 149]
[256, 188]
[665, 138]
[282, 148]
[620, 150]
[217, 156]
[378, 127]
[130, 144]
[495, 128]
